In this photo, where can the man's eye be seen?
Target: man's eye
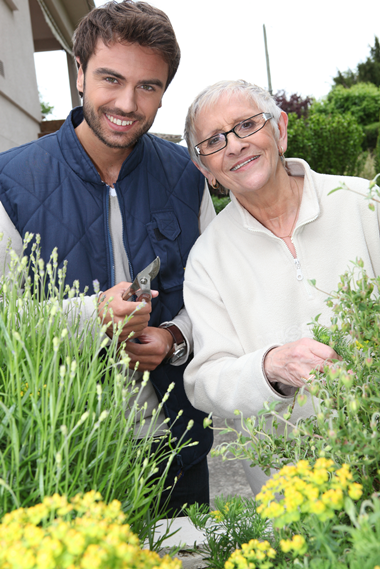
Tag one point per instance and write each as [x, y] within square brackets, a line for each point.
[214, 140]
[111, 80]
[147, 87]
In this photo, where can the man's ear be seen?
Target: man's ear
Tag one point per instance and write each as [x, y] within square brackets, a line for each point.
[207, 174]
[80, 77]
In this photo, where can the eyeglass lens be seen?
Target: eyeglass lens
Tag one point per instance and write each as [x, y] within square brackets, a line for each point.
[242, 130]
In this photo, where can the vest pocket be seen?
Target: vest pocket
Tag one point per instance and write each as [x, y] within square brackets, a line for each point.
[163, 233]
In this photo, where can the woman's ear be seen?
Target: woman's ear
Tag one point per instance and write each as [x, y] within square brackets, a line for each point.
[283, 128]
[207, 174]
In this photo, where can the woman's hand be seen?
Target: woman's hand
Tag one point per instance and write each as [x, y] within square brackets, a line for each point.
[292, 363]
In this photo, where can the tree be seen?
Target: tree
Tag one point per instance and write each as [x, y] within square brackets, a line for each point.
[366, 72]
[294, 104]
[46, 108]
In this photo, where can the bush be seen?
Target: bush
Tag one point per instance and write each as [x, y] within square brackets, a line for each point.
[371, 131]
[377, 154]
[294, 104]
[220, 203]
[331, 144]
[361, 100]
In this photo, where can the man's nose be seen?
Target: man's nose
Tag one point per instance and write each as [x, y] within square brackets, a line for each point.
[127, 100]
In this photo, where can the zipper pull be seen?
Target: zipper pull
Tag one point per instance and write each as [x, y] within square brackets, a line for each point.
[299, 272]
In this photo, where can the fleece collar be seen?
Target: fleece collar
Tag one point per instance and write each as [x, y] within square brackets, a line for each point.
[309, 210]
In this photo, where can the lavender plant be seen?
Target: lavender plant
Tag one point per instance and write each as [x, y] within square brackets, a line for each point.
[70, 420]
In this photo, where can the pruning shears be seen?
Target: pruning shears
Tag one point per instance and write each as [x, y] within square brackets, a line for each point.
[141, 285]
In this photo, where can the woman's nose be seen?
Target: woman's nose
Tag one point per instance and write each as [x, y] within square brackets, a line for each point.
[235, 144]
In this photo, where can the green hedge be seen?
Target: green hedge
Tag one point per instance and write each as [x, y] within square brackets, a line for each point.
[331, 144]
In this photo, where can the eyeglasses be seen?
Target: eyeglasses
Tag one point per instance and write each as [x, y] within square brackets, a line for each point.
[243, 129]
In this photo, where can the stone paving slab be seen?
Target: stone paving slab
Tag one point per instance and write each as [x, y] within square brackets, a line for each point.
[226, 477]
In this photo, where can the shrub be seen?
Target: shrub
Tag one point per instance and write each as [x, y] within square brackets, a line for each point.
[331, 144]
[361, 100]
[82, 532]
[294, 104]
[371, 132]
[220, 203]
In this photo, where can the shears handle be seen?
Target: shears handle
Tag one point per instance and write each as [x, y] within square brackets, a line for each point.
[140, 296]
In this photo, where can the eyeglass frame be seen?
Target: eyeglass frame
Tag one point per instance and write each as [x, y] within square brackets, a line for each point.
[267, 117]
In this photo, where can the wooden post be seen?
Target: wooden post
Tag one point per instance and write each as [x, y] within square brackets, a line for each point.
[267, 60]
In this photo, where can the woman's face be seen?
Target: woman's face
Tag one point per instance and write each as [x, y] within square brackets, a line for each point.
[244, 165]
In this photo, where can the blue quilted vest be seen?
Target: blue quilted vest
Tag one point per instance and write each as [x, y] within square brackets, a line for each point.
[51, 187]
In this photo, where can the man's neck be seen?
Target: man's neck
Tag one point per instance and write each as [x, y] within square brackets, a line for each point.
[108, 161]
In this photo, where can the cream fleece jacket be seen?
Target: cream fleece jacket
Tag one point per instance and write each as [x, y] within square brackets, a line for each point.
[245, 293]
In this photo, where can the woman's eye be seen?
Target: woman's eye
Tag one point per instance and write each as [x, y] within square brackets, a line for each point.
[247, 125]
[214, 141]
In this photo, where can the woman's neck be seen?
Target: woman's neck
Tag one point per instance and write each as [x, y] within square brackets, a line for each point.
[277, 208]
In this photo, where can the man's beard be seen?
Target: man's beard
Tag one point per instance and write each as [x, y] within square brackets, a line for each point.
[127, 139]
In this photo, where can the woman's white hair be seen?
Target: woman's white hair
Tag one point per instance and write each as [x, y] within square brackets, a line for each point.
[210, 96]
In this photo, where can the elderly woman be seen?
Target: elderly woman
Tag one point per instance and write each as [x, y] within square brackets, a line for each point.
[247, 287]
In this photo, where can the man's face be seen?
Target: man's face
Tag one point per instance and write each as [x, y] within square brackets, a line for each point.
[122, 91]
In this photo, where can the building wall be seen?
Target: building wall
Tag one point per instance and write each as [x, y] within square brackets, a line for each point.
[20, 112]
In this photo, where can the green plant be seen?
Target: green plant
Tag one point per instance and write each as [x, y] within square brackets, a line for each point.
[70, 419]
[234, 523]
[82, 532]
[331, 144]
[220, 203]
[361, 100]
[46, 108]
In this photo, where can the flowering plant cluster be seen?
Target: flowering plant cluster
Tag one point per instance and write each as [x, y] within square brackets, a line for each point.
[319, 490]
[81, 533]
[252, 555]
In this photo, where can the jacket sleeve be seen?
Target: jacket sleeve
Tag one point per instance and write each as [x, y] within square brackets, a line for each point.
[10, 239]
[221, 378]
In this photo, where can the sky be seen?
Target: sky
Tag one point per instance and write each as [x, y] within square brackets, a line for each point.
[223, 39]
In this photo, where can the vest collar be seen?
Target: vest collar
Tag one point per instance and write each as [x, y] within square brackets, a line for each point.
[79, 161]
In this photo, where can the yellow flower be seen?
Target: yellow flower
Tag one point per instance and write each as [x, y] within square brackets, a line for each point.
[355, 491]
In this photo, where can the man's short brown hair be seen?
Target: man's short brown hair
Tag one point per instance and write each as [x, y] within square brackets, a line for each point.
[127, 21]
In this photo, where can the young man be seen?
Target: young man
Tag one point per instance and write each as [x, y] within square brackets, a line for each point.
[112, 198]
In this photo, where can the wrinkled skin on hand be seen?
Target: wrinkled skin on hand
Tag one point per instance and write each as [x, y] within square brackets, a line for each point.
[112, 308]
[293, 362]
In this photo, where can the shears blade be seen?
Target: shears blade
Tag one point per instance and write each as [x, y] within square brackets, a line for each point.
[141, 285]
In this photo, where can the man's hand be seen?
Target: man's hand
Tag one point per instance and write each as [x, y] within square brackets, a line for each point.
[156, 344]
[292, 363]
[112, 308]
